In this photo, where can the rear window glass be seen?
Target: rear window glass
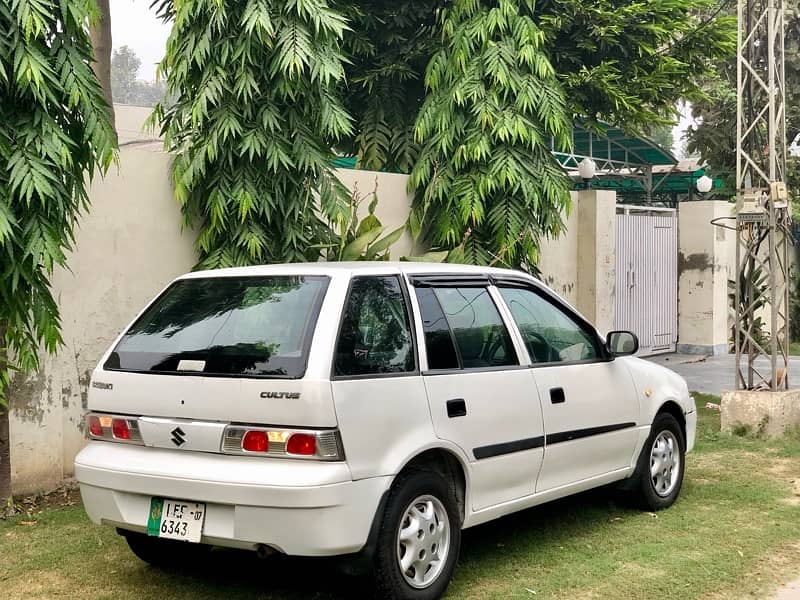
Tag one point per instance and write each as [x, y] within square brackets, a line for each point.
[247, 326]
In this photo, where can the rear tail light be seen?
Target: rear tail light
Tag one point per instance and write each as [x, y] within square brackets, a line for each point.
[115, 428]
[255, 441]
[283, 443]
[94, 426]
[304, 444]
[120, 429]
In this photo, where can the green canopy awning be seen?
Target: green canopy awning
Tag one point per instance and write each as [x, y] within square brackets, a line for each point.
[617, 146]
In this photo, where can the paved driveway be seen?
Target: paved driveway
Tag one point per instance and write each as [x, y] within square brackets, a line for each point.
[713, 374]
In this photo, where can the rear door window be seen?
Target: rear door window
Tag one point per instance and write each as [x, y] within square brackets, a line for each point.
[439, 343]
[246, 326]
[467, 318]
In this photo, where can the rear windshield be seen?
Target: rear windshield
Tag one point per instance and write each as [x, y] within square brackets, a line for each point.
[246, 326]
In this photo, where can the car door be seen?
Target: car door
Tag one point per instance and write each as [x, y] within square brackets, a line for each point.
[381, 405]
[480, 396]
[589, 402]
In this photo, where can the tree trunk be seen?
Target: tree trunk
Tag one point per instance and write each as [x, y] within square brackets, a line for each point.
[100, 34]
[6, 505]
[5, 461]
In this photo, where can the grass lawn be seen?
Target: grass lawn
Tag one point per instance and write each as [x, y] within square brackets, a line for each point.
[735, 532]
[794, 349]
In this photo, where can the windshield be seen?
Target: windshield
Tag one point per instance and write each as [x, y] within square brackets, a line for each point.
[248, 326]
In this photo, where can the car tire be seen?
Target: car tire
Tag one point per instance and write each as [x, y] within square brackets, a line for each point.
[420, 500]
[658, 478]
[165, 553]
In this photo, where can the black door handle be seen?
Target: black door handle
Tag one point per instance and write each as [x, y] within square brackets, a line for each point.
[456, 408]
[557, 395]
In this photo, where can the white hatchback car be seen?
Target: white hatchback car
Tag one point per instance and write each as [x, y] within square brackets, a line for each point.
[366, 409]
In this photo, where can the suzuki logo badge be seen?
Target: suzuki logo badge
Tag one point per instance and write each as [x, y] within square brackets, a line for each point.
[178, 436]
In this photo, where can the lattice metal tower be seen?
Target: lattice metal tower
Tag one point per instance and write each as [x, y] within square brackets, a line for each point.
[762, 215]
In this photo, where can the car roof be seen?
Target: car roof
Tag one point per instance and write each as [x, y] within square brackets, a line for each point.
[346, 269]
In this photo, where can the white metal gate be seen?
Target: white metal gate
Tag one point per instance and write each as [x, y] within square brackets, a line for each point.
[647, 276]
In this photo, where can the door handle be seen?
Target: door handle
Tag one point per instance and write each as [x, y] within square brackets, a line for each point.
[456, 408]
[557, 395]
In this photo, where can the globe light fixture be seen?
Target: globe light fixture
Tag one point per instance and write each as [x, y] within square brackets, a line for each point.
[587, 169]
[704, 184]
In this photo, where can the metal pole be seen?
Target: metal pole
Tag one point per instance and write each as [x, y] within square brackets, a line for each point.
[771, 90]
[737, 343]
[762, 211]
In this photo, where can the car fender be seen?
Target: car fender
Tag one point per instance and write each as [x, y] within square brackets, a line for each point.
[655, 386]
[659, 388]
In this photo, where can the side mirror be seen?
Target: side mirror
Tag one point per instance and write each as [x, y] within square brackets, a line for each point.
[622, 343]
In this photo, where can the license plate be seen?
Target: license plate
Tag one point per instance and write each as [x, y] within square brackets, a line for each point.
[176, 519]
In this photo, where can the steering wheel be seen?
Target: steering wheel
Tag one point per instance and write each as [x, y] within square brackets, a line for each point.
[492, 349]
[551, 357]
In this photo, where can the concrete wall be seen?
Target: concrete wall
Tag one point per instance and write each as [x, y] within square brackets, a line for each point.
[597, 245]
[130, 245]
[558, 261]
[129, 121]
[394, 201]
[705, 264]
[127, 248]
[580, 264]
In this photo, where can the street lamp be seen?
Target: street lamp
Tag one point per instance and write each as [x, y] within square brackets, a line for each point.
[704, 184]
[587, 169]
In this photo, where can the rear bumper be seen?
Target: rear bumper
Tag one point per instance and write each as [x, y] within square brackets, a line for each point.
[301, 508]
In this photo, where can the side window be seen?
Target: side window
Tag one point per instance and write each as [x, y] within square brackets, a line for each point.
[481, 337]
[439, 345]
[550, 334]
[375, 335]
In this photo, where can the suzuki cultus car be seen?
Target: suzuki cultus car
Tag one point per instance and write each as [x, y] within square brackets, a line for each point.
[368, 409]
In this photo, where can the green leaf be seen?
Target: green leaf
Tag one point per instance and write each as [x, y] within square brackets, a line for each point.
[55, 135]
[355, 249]
[369, 223]
[432, 257]
[383, 245]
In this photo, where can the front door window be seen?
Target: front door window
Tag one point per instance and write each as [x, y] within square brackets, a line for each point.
[550, 334]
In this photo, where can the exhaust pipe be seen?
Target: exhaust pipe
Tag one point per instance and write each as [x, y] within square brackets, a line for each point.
[264, 551]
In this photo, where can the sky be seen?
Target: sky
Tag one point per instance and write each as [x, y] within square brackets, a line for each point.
[134, 24]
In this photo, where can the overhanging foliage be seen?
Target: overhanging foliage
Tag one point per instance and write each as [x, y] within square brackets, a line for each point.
[491, 186]
[255, 113]
[389, 47]
[628, 63]
[55, 130]
[466, 94]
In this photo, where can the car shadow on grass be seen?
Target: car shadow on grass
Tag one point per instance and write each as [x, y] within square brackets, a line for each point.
[241, 574]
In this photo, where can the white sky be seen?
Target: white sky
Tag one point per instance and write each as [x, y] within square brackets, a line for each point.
[134, 24]
[684, 123]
